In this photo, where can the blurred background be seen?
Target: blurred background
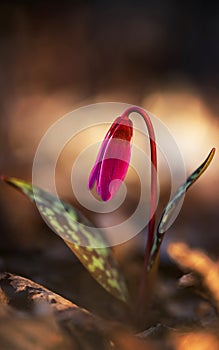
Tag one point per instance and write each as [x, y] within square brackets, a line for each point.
[58, 56]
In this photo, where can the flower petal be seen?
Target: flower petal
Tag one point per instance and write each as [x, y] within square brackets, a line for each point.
[113, 168]
[113, 159]
[94, 174]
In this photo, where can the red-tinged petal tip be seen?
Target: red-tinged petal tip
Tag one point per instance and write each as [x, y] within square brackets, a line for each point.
[105, 196]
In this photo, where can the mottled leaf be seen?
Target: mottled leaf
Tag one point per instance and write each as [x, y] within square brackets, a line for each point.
[171, 206]
[77, 232]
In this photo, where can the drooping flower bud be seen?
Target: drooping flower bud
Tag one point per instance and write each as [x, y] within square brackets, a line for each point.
[113, 159]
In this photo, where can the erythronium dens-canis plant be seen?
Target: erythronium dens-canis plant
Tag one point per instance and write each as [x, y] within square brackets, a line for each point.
[108, 173]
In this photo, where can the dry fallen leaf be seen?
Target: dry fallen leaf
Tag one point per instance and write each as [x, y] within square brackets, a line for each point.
[200, 263]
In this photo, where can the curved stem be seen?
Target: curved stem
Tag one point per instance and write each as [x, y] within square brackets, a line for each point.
[153, 196]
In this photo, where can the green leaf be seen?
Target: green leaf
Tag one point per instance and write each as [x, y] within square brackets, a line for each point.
[78, 233]
[171, 206]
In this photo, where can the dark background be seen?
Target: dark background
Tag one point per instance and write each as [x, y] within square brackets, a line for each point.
[88, 47]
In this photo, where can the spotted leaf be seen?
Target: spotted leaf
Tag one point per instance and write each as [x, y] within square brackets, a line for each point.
[77, 232]
[171, 206]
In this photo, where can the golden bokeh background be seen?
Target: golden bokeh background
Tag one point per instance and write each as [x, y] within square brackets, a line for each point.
[58, 57]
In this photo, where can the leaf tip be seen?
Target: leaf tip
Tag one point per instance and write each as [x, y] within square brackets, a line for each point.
[213, 150]
[7, 179]
[12, 181]
[3, 177]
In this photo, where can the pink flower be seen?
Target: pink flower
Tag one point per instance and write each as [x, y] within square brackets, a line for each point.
[113, 159]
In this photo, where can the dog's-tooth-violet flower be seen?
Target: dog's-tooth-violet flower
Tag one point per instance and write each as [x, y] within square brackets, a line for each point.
[113, 159]
[112, 164]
